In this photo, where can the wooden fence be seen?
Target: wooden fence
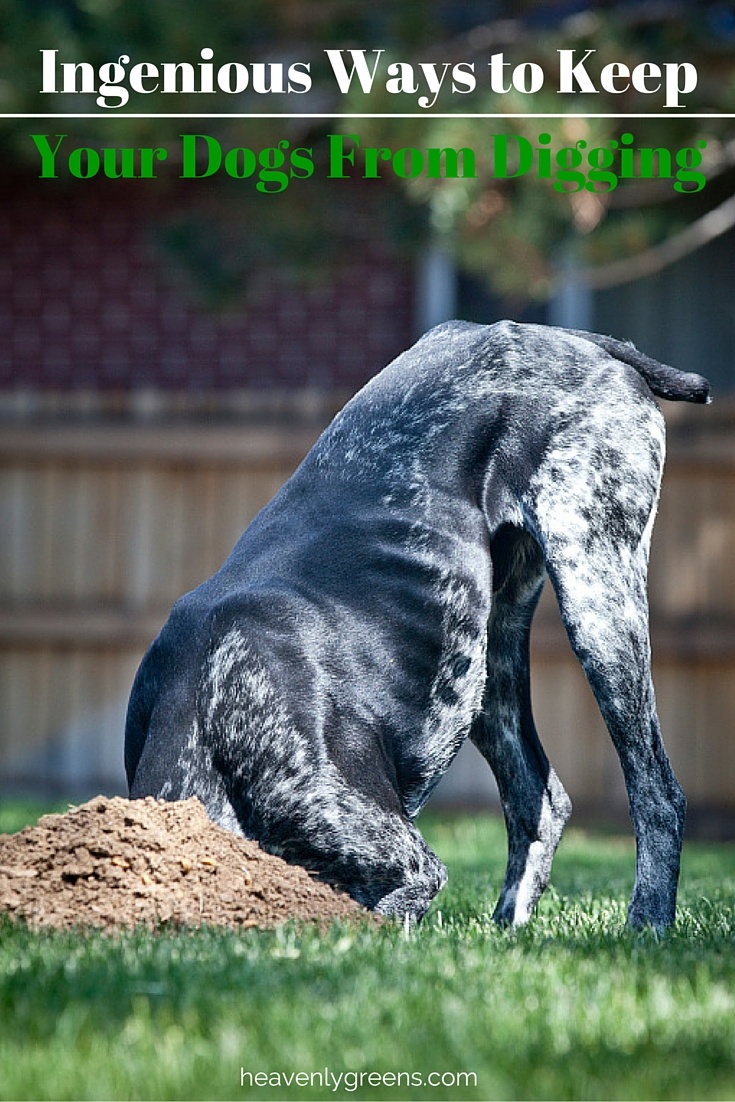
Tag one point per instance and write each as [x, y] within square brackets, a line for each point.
[104, 524]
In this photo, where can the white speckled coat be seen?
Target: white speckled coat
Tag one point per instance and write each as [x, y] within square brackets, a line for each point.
[377, 612]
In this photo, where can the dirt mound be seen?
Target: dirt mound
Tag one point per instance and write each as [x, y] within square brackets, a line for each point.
[116, 863]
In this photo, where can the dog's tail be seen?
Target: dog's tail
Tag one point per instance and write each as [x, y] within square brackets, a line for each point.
[664, 381]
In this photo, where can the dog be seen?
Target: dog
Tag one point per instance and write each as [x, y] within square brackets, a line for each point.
[377, 612]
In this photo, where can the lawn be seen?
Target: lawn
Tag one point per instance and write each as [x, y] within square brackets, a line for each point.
[573, 1007]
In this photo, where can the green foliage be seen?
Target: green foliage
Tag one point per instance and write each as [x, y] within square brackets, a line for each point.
[510, 231]
[574, 1006]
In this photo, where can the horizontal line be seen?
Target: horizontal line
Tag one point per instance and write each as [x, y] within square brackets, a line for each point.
[371, 115]
[282, 446]
[117, 626]
[700, 639]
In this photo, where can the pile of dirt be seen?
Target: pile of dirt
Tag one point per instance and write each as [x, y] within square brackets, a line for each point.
[115, 863]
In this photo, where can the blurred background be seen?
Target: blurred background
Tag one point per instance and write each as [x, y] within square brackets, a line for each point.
[170, 349]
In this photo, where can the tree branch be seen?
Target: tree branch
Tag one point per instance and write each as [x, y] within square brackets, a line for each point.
[653, 260]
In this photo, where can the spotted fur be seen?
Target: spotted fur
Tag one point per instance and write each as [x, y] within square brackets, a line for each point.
[377, 613]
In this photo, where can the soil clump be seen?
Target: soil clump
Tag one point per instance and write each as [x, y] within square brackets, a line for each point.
[115, 863]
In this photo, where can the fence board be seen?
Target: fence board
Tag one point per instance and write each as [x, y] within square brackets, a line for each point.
[104, 526]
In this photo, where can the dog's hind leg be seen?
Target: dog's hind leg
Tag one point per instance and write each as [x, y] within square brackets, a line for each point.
[535, 805]
[606, 617]
[596, 540]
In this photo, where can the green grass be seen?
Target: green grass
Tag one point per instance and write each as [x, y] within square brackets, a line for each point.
[574, 1006]
[15, 814]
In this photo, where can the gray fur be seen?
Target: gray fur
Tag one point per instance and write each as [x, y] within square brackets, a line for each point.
[377, 612]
